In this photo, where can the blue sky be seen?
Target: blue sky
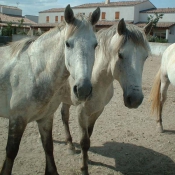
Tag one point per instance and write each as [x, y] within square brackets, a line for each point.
[32, 7]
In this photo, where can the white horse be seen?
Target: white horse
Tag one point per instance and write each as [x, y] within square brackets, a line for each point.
[120, 55]
[32, 73]
[164, 77]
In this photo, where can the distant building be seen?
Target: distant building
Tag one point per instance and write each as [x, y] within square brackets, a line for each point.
[32, 18]
[10, 10]
[135, 12]
[13, 15]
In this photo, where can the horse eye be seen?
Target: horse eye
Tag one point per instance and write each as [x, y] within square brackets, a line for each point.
[95, 45]
[67, 44]
[120, 56]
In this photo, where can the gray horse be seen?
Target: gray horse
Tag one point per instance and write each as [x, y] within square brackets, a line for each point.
[120, 55]
[32, 73]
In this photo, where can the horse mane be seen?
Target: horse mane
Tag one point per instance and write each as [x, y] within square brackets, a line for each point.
[133, 33]
[18, 46]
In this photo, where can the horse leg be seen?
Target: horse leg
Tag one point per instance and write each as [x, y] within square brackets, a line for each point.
[92, 121]
[16, 129]
[45, 129]
[84, 138]
[163, 90]
[65, 118]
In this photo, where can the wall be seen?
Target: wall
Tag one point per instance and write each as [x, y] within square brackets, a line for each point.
[19, 37]
[171, 35]
[110, 13]
[32, 18]
[158, 48]
[139, 7]
[10, 11]
[42, 17]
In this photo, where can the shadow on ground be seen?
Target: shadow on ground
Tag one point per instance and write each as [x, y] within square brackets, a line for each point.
[134, 160]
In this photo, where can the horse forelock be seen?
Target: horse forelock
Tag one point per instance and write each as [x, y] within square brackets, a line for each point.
[137, 36]
[133, 33]
[18, 46]
[79, 22]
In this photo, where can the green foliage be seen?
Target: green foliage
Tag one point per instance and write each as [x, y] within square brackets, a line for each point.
[21, 22]
[155, 18]
[7, 31]
[157, 40]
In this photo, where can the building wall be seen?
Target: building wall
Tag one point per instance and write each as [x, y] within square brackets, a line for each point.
[139, 7]
[42, 17]
[10, 11]
[167, 17]
[171, 36]
[110, 13]
[32, 18]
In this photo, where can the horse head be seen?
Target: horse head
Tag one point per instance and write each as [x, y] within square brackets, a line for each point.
[80, 44]
[130, 50]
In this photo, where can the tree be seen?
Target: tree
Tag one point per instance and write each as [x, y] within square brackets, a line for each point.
[155, 18]
[21, 22]
[7, 31]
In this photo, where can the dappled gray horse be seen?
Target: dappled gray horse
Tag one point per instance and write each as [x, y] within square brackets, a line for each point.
[120, 55]
[32, 73]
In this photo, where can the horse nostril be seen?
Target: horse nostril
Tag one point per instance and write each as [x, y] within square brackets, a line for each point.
[129, 100]
[90, 92]
[75, 90]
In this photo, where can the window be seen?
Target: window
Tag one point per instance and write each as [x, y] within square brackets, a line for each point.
[103, 15]
[56, 18]
[117, 15]
[47, 18]
[62, 18]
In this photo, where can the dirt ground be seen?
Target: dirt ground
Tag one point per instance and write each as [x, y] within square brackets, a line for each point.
[124, 141]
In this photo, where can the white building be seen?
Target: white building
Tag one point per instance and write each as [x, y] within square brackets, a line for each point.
[135, 12]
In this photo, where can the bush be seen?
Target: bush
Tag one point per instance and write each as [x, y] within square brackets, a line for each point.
[156, 39]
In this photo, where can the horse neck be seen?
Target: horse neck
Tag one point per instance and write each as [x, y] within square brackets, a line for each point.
[102, 67]
[47, 57]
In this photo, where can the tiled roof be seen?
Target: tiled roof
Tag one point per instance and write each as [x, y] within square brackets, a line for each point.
[89, 5]
[109, 23]
[111, 4]
[10, 7]
[53, 10]
[159, 24]
[49, 25]
[159, 10]
[14, 19]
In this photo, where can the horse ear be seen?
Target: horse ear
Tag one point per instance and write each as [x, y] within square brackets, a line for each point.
[69, 14]
[147, 29]
[121, 27]
[95, 16]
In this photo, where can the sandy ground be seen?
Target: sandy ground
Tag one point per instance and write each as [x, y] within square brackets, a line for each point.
[124, 141]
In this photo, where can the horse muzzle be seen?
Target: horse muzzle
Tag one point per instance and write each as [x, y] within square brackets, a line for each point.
[133, 100]
[83, 89]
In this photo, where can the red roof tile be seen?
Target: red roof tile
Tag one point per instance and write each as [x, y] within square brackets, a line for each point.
[109, 23]
[49, 25]
[159, 10]
[111, 4]
[89, 5]
[14, 19]
[53, 10]
[159, 24]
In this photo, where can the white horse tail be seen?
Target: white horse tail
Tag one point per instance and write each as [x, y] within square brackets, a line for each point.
[155, 95]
